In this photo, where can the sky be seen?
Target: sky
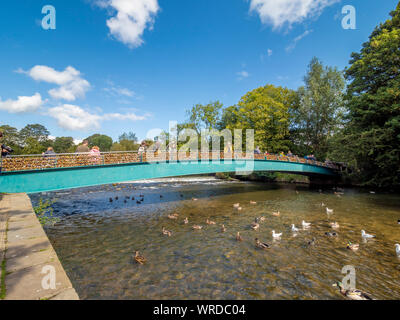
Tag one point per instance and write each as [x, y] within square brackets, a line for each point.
[114, 66]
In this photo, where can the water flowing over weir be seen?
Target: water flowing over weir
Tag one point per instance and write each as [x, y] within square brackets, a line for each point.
[95, 240]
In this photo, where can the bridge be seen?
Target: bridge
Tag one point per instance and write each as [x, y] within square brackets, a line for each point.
[41, 173]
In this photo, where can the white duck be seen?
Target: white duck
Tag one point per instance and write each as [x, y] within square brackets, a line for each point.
[329, 210]
[276, 235]
[306, 224]
[366, 235]
[398, 249]
[294, 229]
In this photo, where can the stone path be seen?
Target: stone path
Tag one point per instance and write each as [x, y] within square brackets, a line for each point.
[30, 258]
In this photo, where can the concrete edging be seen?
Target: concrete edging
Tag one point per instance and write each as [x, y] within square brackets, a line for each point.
[30, 257]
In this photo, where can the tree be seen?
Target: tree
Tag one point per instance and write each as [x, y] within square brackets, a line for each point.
[266, 110]
[204, 116]
[35, 131]
[128, 136]
[319, 109]
[102, 141]
[63, 144]
[11, 138]
[374, 102]
[33, 146]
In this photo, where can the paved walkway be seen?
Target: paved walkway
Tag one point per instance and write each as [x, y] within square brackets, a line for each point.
[30, 258]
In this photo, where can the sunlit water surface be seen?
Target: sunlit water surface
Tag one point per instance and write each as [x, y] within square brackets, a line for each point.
[95, 240]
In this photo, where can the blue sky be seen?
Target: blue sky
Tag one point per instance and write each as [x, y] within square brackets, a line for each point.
[113, 66]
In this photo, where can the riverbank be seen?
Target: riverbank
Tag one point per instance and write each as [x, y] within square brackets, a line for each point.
[28, 260]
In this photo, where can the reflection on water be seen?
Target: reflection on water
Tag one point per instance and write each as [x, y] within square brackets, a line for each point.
[95, 240]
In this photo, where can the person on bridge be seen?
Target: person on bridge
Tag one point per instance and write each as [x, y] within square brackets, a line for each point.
[95, 155]
[49, 153]
[83, 148]
[257, 150]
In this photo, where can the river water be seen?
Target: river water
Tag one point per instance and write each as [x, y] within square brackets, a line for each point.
[95, 240]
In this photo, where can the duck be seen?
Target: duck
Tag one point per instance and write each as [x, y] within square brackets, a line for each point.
[236, 205]
[334, 225]
[353, 246]
[138, 258]
[305, 224]
[186, 221]
[328, 211]
[294, 229]
[262, 245]
[366, 235]
[397, 249]
[353, 294]
[239, 237]
[111, 200]
[255, 225]
[276, 214]
[210, 222]
[331, 234]
[166, 232]
[223, 229]
[116, 198]
[253, 202]
[312, 242]
[197, 227]
[172, 217]
[276, 235]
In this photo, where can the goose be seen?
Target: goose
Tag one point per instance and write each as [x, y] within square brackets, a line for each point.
[262, 245]
[329, 210]
[294, 229]
[223, 229]
[166, 232]
[334, 225]
[353, 246]
[397, 249]
[138, 258]
[196, 227]
[276, 235]
[186, 221]
[366, 235]
[305, 224]
[210, 222]
[239, 237]
[353, 294]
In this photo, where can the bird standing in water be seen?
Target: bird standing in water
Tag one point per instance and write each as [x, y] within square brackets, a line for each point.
[138, 258]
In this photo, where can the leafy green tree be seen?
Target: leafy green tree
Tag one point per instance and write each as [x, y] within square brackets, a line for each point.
[33, 146]
[128, 136]
[266, 110]
[319, 109]
[204, 116]
[63, 144]
[35, 131]
[373, 93]
[102, 141]
[11, 138]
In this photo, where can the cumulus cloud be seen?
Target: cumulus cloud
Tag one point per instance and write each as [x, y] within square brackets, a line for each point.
[75, 118]
[288, 12]
[132, 18]
[70, 82]
[22, 104]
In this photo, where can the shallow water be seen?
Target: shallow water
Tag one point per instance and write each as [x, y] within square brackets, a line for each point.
[95, 241]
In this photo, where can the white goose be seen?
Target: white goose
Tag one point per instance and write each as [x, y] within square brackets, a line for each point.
[306, 224]
[276, 235]
[366, 235]
[294, 229]
[329, 210]
[398, 249]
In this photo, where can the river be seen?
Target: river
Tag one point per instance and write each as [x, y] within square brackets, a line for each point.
[95, 240]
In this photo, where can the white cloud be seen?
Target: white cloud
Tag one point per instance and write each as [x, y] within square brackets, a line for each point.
[131, 19]
[22, 104]
[242, 75]
[118, 91]
[297, 39]
[75, 118]
[71, 84]
[288, 12]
